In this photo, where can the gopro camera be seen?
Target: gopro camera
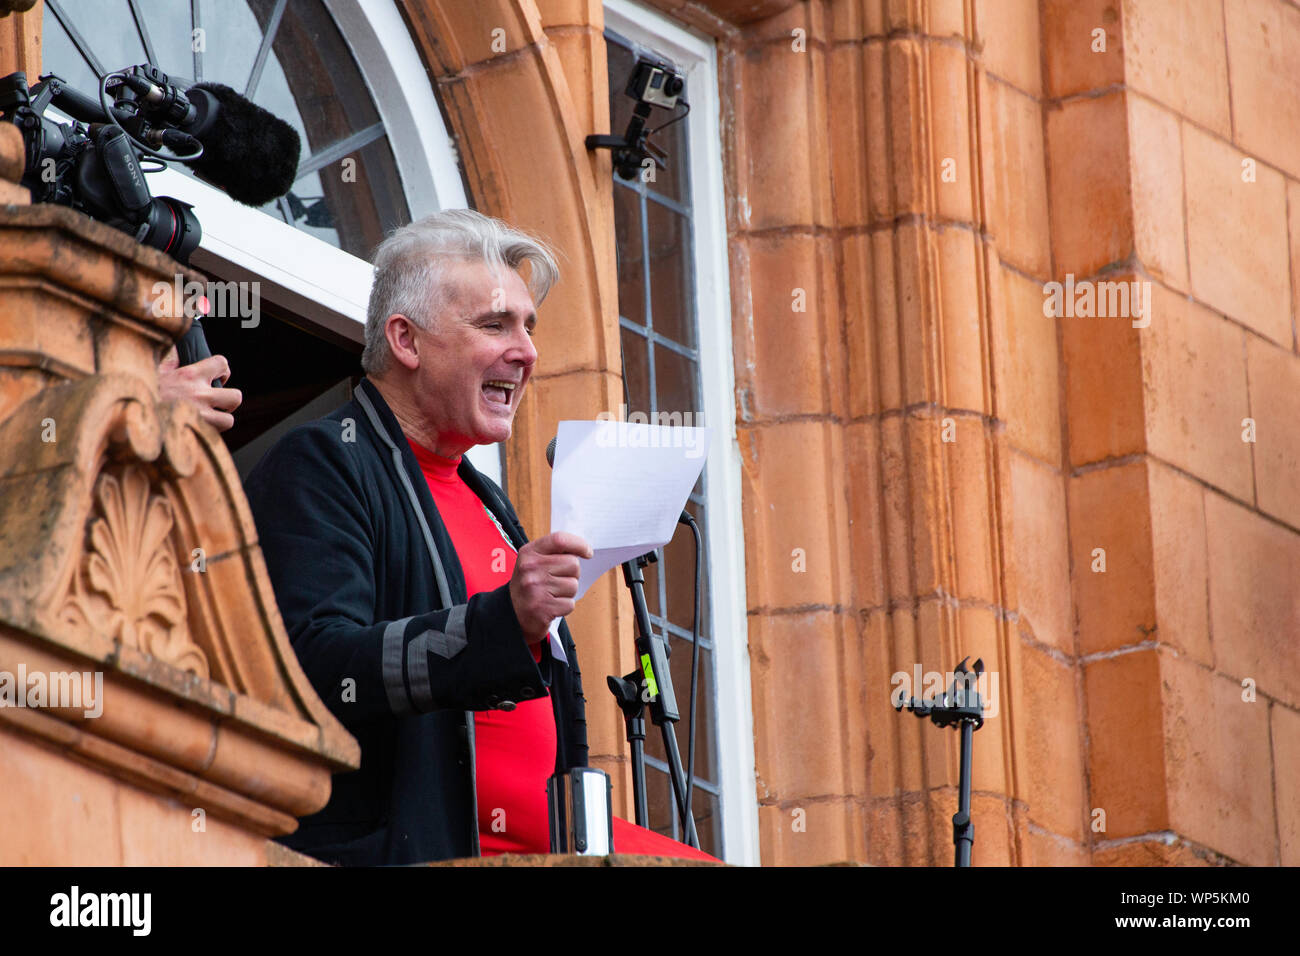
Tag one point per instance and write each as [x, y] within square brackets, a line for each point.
[656, 83]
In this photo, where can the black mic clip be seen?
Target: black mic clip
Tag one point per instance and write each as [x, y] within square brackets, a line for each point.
[150, 90]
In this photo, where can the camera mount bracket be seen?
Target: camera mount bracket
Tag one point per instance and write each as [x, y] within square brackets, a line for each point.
[633, 148]
[653, 83]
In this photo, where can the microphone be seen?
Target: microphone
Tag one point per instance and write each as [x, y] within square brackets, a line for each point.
[249, 152]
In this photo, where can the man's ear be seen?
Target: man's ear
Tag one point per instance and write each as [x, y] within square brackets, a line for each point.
[399, 330]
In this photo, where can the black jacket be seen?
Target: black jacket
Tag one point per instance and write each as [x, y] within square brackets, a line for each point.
[387, 638]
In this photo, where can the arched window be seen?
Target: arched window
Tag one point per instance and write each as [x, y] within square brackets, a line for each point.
[375, 154]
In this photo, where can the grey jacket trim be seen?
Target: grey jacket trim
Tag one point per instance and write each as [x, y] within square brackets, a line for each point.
[394, 685]
[445, 644]
[417, 665]
[444, 593]
[455, 639]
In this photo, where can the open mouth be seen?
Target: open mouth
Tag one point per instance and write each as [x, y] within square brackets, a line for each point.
[499, 392]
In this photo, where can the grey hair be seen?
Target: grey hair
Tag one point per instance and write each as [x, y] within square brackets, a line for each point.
[410, 265]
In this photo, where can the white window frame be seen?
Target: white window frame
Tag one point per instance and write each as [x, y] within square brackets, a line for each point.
[696, 56]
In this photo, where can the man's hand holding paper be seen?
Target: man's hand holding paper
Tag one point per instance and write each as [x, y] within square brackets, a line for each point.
[545, 582]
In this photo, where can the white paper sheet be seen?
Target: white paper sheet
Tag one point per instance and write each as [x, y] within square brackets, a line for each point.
[622, 487]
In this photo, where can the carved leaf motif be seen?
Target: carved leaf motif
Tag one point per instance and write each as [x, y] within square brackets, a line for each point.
[131, 564]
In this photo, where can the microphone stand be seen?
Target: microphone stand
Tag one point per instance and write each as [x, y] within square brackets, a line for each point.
[652, 684]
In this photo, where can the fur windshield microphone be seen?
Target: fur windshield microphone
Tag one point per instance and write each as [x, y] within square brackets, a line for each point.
[249, 152]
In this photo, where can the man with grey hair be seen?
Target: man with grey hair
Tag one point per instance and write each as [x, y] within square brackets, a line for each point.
[420, 611]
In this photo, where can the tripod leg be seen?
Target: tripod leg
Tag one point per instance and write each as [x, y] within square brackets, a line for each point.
[679, 787]
[638, 778]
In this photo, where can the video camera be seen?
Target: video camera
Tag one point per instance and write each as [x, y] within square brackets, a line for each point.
[94, 165]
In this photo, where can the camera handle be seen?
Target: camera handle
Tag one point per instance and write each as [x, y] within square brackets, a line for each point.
[193, 347]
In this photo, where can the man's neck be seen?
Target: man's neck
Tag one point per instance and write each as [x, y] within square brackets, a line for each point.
[408, 420]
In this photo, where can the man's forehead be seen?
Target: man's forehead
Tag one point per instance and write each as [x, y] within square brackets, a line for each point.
[468, 280]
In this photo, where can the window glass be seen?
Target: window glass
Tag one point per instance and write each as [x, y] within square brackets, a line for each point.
[60, 56]
[107, 26]
[671, 294]
[170, 35]
[631, 268]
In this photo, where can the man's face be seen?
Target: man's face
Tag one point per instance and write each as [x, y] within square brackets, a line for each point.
[482, 336]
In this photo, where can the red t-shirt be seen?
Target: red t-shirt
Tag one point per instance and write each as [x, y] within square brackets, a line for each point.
[515, 750]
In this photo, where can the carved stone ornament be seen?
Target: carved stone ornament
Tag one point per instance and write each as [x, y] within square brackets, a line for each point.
[129, 587]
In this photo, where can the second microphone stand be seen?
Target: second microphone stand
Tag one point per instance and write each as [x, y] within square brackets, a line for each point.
[652, 684]
[960, 706]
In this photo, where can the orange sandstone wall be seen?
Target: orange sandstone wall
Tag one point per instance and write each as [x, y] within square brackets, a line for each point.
[1173, 158]
[1105, 509]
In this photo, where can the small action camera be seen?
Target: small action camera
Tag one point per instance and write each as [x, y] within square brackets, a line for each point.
[655, 83]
